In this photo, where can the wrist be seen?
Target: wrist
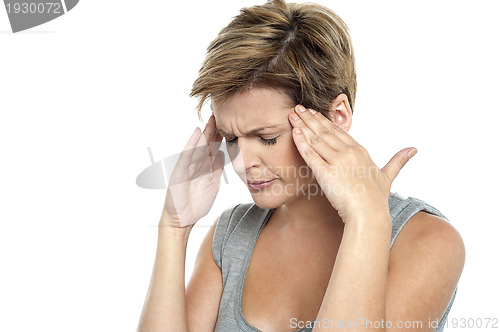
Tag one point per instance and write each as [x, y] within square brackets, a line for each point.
[168, 227]
[360, 209]
[370, 235]
[377, 216]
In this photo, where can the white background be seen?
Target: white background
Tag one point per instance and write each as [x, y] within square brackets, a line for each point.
[83, 96]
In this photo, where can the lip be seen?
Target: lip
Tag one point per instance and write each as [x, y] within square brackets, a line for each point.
[259, 185]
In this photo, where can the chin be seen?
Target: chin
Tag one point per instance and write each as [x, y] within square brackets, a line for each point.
[266, 200]
[267, 203]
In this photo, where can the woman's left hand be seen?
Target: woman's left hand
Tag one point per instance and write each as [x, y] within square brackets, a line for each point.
[343, 168]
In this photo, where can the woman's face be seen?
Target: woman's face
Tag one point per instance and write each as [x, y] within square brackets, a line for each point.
[260, 144]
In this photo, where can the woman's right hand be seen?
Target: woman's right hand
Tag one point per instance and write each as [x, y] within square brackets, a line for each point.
[195, 180]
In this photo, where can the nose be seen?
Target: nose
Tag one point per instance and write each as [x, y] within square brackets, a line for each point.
[243, 156]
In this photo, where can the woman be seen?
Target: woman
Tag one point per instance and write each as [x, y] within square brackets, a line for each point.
[325, 245]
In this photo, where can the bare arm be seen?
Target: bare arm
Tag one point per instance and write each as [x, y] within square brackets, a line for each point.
[204, 290]
[425, 264]
[405, 289]
[192, 189]
[357, 287]
[165, 307]
[169, 305]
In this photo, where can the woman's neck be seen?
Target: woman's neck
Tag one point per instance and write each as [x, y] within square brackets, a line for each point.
[307, 212]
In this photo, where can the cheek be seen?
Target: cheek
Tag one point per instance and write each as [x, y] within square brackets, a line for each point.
[287, 161]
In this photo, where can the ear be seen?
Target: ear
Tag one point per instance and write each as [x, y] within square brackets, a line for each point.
[340, 112]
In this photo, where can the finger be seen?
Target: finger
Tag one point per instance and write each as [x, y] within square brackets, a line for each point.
[188, 151]
[218, 164]
[320, 144]
[202, 149]
[323, 135]
[319, 123]
[215, 142]
[208, 130]
[214, 139]
[397, 162]
[310, 156]
[309, 119]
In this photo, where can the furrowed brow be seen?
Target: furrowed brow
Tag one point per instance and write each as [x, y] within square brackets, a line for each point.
[222, 132]
[251, 132]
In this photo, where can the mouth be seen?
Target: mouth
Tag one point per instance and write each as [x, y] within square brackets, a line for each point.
[259, 185]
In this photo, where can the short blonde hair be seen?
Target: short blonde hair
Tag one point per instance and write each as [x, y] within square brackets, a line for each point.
[303, 49]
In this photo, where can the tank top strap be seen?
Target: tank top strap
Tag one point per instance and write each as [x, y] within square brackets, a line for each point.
[403, 208]
[231, 225]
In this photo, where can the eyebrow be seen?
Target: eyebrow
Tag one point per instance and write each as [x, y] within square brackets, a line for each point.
[251, 132]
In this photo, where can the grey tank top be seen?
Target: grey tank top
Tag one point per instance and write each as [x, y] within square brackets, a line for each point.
[234, 240]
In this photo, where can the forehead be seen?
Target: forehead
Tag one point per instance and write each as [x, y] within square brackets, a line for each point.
[253, 108]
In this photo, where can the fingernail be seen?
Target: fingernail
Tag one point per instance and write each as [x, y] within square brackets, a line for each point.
[412, 152]
[300, 108]
[312, 111]
[295, 116]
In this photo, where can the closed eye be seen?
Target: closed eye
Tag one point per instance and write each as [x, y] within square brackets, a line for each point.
[270, 141]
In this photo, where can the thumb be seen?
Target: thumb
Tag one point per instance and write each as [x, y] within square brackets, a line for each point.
[397, 162]
[218, 164]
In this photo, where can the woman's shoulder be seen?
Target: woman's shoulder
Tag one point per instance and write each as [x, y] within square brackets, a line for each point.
[421, 221]
[418, 224]
[426, 259]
